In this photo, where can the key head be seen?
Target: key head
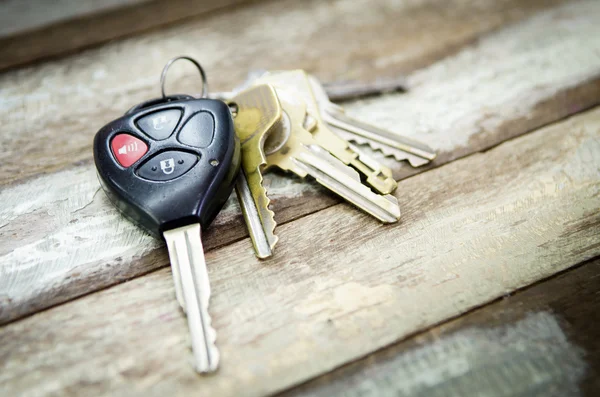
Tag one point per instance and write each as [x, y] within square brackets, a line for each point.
[169, 162]
[285, 143]
[258, 115]
[377, 175]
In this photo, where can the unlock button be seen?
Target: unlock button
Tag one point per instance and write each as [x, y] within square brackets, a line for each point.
[167, 165]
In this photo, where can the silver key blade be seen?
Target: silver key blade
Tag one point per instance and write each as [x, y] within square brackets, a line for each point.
[334, 115]
[343, 180]
[193, 289]
[263, 243]
[388, 151]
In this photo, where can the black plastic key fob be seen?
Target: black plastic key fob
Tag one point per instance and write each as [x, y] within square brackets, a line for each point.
[169, 162]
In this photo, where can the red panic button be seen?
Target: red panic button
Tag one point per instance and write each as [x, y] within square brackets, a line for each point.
[127, 149]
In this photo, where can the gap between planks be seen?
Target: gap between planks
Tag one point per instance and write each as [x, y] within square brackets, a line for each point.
[459, 105]
[481, 228]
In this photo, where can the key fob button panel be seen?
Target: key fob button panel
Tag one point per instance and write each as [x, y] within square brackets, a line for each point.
[127, 149]
[159, 125]
[198, 131]
[168, 183]
[168, 165]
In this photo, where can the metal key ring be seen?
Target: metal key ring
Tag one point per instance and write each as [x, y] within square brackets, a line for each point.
[163, 75]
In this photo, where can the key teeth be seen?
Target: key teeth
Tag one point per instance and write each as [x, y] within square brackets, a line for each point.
[376, 146]
[191, 277]
[211, 338]
[257, 194]
[212, 347]
[213, 352]
[268, 220]
[397, 154]
[388, 151]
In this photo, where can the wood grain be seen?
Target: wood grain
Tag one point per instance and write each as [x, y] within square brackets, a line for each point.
[339, 287]
[62, 239]
[540, 341]
[37, 29]
[51, 112]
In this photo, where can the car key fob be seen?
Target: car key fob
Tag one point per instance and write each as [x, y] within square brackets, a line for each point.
[169, 162]
[169, 165]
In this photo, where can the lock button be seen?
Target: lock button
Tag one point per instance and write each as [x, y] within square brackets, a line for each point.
[159, 125]
[166, 166]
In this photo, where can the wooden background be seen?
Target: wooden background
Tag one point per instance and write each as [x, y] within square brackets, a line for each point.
[488, 285]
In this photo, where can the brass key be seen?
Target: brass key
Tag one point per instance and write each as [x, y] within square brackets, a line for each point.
[292, 147]
[377, 175]
[257, 113]
[389, 143]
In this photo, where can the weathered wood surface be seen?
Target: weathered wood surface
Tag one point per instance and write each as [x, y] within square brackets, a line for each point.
[542, 341]
[31, 30]
[51, 112]
[18, 16]
[476, 229]
[63, 239]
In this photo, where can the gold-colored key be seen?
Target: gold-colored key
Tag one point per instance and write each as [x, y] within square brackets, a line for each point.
[292, 147]
[257, 113]
[377, 175]
[352, 130]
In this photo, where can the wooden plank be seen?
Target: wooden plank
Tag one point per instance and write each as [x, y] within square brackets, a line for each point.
[41, 134]
[339, 287]
[32, 30]
[67, 240]
[537, 342]
[20, 16]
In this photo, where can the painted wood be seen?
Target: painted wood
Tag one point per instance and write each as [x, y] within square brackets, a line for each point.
[340, 286]
[32, 30]
[50, 112]
[62, 239]
[540, 341]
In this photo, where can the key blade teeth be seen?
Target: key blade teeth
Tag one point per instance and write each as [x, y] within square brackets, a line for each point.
[255, 207]
[397, 154]
[363, 133]
[358, 131]
[207, 359]
[187, 255]
[212, 352]
[352, 130]
[386, 150]
[258, 116]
